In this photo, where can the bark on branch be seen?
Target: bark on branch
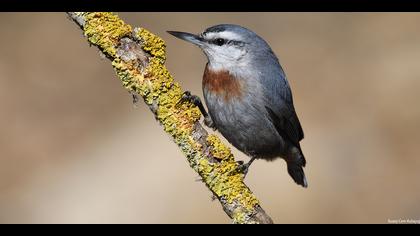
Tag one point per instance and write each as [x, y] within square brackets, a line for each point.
[138, 58]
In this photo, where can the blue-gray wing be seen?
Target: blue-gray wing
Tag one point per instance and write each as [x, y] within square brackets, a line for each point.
[287, 125]
[280, 105]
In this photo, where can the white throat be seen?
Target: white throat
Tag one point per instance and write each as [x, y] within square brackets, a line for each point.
[226, 56]
[228, 60]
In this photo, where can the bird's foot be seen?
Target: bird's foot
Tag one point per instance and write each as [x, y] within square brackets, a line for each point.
[188, 97]
[194, 99]
[243, 168]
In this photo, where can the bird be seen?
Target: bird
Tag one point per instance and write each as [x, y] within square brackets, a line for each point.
[248, 97]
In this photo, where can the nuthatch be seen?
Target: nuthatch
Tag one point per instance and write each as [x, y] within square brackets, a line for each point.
[248, 97]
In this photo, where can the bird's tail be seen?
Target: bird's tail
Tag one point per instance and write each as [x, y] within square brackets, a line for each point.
[295, 166]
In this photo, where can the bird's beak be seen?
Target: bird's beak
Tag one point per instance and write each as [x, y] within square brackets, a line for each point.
[192, 38]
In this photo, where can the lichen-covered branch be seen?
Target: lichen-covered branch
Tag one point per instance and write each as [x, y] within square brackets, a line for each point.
[138, 58]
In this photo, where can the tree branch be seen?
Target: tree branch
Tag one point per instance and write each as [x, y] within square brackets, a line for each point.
[138, 58]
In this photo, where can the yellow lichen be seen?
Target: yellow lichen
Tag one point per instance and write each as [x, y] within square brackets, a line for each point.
[240, 217]
[105, 29]
[151, 43]
[228, 183]
[219, 150]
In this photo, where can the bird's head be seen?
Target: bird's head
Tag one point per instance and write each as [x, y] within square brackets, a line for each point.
[227, 46]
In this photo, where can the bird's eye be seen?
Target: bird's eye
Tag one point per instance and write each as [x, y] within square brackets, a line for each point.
[219, 41]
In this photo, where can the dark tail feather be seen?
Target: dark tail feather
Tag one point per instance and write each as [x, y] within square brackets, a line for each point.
[295, 169]
[297, 174]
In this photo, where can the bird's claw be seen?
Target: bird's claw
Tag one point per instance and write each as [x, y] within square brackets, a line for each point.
[194, 99]
[242, 168]
[186, 96]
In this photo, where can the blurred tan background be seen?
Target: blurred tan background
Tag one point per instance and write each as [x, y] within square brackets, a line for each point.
[73, 148]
